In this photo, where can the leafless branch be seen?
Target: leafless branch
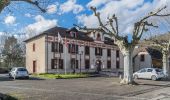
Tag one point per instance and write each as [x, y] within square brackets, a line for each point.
[5, 3]
[103, 27]
[141, 25]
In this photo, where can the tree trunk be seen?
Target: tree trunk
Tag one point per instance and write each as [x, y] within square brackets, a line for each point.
[165, 64]
[128, 67]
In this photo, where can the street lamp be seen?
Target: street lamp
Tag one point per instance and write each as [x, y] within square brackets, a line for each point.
[80, 53]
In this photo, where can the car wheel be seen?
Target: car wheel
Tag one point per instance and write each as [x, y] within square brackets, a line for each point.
[154, 78]
[135, 76]
[27, 77]
[10, 76]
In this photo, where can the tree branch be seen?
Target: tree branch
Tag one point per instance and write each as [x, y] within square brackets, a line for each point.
[139, 24]
[103, 27]
[5, 3]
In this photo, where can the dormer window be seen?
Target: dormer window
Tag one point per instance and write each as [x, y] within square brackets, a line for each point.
[98, 37]
[73, 34]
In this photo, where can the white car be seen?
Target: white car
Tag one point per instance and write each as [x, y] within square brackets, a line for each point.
[149, 73]
[19, 72]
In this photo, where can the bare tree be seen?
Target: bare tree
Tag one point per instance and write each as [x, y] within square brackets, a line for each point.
[5, 3]
[111, 28]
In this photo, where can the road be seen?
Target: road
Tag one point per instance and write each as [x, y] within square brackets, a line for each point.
[99, 88]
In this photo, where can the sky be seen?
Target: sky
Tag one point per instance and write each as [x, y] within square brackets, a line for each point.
[20, 18]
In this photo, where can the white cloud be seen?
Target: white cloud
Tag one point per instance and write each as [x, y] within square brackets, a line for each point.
[97, 3]
[28, 15]
[127, 11]
[9, 20]
[69, 6]
[51, 9]
[40, 25]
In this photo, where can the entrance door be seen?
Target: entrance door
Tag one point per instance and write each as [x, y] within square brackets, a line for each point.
[98, 65]
[34, 66]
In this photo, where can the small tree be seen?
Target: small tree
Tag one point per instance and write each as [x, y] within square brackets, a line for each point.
[13, 54]
[126, 48]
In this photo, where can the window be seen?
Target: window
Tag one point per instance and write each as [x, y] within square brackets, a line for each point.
[73, 34]
[57, 63]
[53, 63]
[98, 51]
[109, 64]
[87, 64]
[142, 70]
[33, 47]
[108, 52]
[72, 48]
[74, 63]
[55, 47]
[149, 70]
[98, 37]
[34, 66]
[60, 63]
[142, 58]
[117, 53]
[87, 50]
[117, 64]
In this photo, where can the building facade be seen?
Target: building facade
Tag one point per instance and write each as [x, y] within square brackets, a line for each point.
[145, 57]
[75, 51]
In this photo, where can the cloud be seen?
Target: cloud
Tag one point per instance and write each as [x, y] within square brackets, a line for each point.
[127, 11]
[51, 9]
[40, 25]
[28, 15]
[9, 20]
[69, 6]
[97, 3]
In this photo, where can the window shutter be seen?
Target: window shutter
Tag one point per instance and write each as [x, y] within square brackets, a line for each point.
[77, 49]
[69, 48]
[52, 47]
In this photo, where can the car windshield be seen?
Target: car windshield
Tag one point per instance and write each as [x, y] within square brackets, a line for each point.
[158, 70]
[21, 69]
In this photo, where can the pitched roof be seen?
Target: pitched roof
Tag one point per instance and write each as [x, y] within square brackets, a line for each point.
[64, 32]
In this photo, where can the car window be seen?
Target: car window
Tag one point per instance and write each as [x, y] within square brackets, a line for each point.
[21, 69]
[142, 70]
[13, 69]
[158, 70]
[149, 70]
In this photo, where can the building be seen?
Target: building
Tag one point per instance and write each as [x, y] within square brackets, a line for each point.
[77, 52]
[145, 57]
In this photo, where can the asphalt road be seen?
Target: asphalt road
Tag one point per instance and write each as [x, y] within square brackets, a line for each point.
[100, 88]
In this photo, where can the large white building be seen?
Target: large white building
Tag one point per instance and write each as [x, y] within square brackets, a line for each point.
[79, 52]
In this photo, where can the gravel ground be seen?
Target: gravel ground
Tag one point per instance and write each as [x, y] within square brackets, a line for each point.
[99, 88]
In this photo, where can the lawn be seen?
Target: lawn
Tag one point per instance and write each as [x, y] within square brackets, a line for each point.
[60, 76]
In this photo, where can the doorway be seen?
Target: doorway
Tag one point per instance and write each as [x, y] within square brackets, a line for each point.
[98, 65]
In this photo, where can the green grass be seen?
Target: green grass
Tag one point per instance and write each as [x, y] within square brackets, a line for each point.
[60, 76]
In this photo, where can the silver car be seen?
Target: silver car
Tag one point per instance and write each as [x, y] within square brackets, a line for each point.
[149, 73]
[18, 72]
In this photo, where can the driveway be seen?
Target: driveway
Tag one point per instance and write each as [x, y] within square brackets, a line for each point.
[99, 88]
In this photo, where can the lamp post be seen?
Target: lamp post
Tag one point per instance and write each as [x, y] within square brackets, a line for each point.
[80, 53]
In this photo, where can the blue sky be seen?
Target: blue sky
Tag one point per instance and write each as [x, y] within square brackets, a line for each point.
[20, 17]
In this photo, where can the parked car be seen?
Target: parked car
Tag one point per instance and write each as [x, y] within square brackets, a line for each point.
[149, 73]
[19, 72]
[3, 70]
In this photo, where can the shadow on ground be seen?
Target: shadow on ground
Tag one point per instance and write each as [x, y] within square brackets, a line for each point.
[7, 97]
[157, 83]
